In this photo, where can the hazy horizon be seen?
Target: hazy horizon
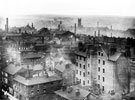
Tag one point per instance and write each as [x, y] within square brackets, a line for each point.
[39, 21]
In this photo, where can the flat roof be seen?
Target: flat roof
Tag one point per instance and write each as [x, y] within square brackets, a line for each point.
[36, 80]
[72, 94]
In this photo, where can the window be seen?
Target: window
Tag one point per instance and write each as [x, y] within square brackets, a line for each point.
[80, 73]
[88, 65]
[99, 53]
[99, 69]
[88, 81]
[76, 63]
[88, 73]
[83, 66]
[76, 57]
[80, 65]
[98, 77]
[32, 92]
[103, 79]
[83, 82]
[80, 58]
[103, 88]
[84, 58]
[80, 80]
[6, 74]
[103, 70]
[44, 90]
[37, 90]
[76, 71]
[99, 61]
[84, 74]
[103, 62]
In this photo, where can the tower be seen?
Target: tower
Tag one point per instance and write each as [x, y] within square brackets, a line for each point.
[79, 22]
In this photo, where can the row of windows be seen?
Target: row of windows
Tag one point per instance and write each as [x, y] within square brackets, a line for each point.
[81, 58]
[81, 81]
[102, 78]
[100, 54]
[4, 74]
[99, 70]
[77, 72]
[99, 62]
[80, 65]
[102, 87]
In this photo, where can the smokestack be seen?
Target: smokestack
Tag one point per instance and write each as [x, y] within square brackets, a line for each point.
[6, 26]
[98, 33]
[32, 25]
[75, 29]
[111, 30]
[95, 33]
[77, 92]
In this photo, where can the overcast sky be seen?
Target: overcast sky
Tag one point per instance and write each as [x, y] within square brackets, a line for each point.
[11, 8]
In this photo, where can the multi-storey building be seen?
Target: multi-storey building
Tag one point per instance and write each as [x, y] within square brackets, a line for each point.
[112, 67]
[86, 65]
[35, 88]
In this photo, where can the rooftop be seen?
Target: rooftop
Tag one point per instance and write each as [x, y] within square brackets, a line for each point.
[12, 69]
[72, 94]
[36, 80]
[115, 56]
[32, 55]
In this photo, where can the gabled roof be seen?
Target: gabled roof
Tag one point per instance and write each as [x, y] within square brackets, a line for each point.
[106, 51]
[36, 80]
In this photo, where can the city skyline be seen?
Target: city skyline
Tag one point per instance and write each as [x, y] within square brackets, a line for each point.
[116, 22]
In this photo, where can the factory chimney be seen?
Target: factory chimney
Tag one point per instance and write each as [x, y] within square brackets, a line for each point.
[111, 30]
[75, 29]
[6, 26]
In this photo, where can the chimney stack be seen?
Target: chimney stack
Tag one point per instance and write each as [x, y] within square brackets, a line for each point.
[28, 72]
[77, 92]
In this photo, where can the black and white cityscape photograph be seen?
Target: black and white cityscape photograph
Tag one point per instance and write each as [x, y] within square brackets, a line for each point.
[67, 50]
